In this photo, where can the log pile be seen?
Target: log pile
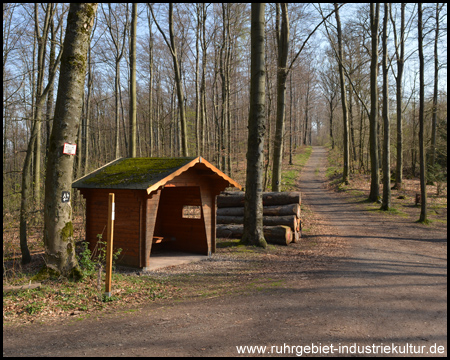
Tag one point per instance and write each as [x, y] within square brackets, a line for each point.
[281, 216]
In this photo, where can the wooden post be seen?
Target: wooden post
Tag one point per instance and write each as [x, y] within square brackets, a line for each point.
[109, 246]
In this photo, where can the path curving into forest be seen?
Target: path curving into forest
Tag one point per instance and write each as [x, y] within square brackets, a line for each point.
[390, 289]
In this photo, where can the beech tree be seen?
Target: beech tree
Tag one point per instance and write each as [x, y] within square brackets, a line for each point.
[132, 152]
[374, 170]
[423, 178]
[178, 80]
[345, 174]
[58, 228]
[400, 56]
[253, 208]
[282, 36]
[386, 202]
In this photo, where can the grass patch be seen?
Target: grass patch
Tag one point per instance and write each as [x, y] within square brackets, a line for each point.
[290, 174]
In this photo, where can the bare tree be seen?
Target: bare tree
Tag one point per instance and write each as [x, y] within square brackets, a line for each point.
[41, 95]
[423, 177]
[386, 201]
[118, 40]
[399, 78]
[178, 80]
[374, 170]
[58, 228]
[253, 212]
[132, 152]
[345, 174]
[282, 36]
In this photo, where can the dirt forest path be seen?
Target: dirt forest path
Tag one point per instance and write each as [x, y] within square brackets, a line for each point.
[387, 294]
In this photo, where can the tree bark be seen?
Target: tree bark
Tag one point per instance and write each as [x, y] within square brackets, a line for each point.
[400, 65]
[435, 92]
[281, 235]
[132, 152]
[58, 228]
[386, 202]
[253, 216]
[423, 178]
[283, 48]
[345, 174]
[178, 81]
[275, 210]
[27, 171]
[287, 220]
[374, 166]
[236, 198]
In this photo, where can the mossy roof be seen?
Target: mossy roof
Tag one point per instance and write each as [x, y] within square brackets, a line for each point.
[131, 173]
[142, 173]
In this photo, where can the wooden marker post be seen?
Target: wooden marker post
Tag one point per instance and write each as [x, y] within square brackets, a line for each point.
[109, 246]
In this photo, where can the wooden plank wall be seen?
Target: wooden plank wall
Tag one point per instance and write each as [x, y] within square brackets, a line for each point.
[128, 227]
[150, 222]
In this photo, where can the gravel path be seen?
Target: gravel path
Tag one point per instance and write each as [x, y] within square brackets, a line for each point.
[387, 296]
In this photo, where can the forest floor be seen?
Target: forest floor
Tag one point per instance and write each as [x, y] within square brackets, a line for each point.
[360, 282]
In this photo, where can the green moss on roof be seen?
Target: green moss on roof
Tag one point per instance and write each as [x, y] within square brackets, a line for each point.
[136, 173]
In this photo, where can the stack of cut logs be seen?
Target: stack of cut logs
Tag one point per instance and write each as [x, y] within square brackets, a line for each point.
[281, 216]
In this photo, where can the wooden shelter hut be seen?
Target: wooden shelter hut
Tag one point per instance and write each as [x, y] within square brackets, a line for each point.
[159, 202]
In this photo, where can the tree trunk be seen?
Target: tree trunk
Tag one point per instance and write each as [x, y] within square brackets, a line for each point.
[42, 43]
[288, 220]
[38, 102]
[423, 178]
[374, 169]
[58, 228]
[132, 152]
[179, 84]
[253, 216]
[281, 235]
[386, 202]
[400, 65]
[435, 93]
[283, 48]
[275, 210]
[345, 174]
[116, 113]
[236, 198]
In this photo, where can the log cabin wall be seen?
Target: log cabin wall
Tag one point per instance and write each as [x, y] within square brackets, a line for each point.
[129, 226]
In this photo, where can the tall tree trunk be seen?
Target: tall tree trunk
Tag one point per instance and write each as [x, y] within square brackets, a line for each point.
[282, 71]
[117, 111]
[152, 136]
[132, 150]
[179, 84]
[400, 64]
[87, 120]
[423, 177]
[386, 202]
[374, 166]
[42, 45]
[435, 92]
[253, 208]
[58, 228]
[345, 174]
[203, 83]
[38, 102]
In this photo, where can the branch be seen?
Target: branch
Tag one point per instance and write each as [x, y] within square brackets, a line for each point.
[345, 70]
[160, 30]
[310, 34]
